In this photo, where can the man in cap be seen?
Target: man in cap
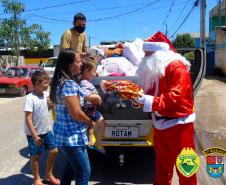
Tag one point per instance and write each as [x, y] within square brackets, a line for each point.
[164, 76]
[75, 37]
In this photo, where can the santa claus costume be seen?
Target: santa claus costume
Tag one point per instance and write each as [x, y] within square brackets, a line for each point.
[164, 75]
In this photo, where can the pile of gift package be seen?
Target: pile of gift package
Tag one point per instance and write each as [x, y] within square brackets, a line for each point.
[119, 59]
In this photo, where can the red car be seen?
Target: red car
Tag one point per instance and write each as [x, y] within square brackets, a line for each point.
[17, 80]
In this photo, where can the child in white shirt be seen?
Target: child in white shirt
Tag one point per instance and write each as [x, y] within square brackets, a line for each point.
[38, 128]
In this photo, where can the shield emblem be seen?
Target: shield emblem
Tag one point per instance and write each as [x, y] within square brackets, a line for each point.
[187, 162]
[215, 166]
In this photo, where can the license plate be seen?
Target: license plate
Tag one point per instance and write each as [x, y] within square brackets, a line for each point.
[2, 90]
[121, 132]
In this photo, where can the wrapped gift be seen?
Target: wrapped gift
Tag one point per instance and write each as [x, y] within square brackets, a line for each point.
[126, 89]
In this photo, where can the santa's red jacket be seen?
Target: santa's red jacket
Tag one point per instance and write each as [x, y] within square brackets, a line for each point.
[171, 101]
[174, 96]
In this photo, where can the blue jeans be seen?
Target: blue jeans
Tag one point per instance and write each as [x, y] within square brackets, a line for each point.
[77, 164]
[48, 144]
[96, 116]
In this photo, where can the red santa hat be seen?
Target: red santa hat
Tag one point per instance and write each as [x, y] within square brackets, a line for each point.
[157, 42]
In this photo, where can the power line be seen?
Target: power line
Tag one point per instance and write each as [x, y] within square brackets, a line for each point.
[106, 8]
[156, 8]
[65, 21]
[55, 6]
[41, 21]
[189, 13]
[50, 20]
[167, 15]
[183, 9]
[75, 2]
[115, 7]
[102, 19]
[98, 9]
[123, 14]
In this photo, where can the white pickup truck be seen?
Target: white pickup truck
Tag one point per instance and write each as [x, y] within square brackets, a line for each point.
[49, 66]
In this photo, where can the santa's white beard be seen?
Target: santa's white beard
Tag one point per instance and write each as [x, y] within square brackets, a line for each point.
[153, 67]
[145, 75]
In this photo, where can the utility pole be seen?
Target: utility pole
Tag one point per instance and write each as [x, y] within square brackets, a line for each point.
[203, 24]
[166, 29]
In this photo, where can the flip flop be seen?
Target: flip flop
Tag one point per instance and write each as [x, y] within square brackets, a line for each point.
[99, 149]
[91, 147]
[51, 181]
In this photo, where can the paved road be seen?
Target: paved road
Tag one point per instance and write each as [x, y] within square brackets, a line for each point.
[139, 165]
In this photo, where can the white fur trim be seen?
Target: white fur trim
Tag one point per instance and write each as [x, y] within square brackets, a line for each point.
[153, 67]
[148, 101]
[155, 46]
[162, 124]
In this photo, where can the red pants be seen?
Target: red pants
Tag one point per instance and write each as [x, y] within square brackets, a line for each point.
[168, 145]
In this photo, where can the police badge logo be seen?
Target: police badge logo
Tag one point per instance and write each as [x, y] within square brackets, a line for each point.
[215, 163]
[188, 162]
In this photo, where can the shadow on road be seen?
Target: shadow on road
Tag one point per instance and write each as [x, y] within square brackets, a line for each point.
[221, 78]
[18, 179]
[8, 96]
[26, 169]
[25, 152]
[138, 167]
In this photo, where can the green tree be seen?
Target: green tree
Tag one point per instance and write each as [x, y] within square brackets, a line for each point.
[189, 56]
[184, 41]
[10, 27]
[35, 38]
[15, 33]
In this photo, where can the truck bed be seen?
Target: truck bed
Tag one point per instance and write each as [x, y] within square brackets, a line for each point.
[125, 125]
[114, 108]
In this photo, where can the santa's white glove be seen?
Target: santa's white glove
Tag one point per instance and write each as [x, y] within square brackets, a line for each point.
[147, 101]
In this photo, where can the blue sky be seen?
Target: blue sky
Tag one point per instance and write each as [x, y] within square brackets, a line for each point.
[115, 19]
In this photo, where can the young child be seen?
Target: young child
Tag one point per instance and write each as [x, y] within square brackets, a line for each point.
[92, 100]
[37, 128]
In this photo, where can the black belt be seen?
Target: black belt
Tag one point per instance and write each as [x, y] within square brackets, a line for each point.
[163, 117]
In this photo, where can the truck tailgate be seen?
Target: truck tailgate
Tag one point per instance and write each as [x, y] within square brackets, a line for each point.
[125, 125]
